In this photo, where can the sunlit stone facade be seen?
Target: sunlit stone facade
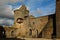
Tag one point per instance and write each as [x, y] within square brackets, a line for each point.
[27, 26]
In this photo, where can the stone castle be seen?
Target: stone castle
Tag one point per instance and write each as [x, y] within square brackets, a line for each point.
[28, 26]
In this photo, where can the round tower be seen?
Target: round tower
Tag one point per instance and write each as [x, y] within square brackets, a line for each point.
[20, 14]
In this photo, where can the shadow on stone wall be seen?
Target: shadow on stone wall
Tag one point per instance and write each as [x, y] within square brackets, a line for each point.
[2, 32]
[11, 39]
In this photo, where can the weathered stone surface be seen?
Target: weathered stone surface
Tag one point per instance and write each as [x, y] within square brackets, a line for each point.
[29, 26]
[58, 19]
[48, 30]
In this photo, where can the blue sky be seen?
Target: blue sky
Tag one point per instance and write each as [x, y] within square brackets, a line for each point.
[46, 7]
[36, 7]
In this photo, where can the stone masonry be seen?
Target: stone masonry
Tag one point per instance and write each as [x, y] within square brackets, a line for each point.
[25, 25]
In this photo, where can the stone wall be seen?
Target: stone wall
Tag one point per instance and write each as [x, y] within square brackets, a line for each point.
[58, 19]
[48, 29]
[28, 26]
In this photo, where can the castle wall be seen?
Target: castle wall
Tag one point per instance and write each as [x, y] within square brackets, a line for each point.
[39, 23]
[27, 26]
[58, 19]
[48, 29]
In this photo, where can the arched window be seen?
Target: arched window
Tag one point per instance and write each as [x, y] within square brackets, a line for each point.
[30, 32]
[12, 33]
[25, 16]
[19, 20]
[33, 23]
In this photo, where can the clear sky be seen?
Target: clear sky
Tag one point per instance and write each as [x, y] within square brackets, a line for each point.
[36, 8]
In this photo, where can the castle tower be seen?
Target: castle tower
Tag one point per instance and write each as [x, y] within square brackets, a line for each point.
[21, 21]
[20, 15]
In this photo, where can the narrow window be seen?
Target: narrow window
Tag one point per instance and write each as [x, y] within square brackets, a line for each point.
[12, 33]
[33, 22]
[25, 16]
[30, 33]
